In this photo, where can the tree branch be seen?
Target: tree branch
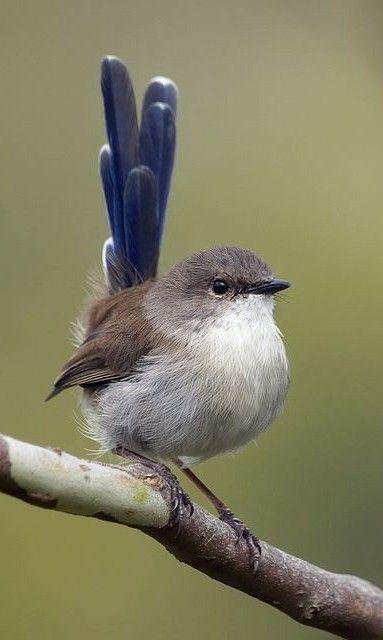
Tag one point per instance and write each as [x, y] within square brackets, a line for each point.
[341, 604]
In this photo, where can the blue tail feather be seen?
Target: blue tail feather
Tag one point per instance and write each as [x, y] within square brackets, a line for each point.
[105, 171]
[113, 206]
[157, 146]
[141, 220]
[163, 90]
[120, 117]
[135, 170]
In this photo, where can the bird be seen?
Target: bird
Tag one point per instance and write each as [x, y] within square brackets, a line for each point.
[180, 367]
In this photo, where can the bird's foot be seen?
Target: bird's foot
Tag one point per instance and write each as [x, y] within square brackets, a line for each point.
[243, 533]
[179, 500]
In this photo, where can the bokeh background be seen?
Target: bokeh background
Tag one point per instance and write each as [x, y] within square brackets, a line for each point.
[280, 149]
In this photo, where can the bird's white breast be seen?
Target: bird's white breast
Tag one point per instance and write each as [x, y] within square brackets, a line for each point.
[245, 372]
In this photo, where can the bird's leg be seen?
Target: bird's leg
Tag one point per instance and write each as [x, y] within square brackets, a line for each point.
[241, 530]
[180, 501]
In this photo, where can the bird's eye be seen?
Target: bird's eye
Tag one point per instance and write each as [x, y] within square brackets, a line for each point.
[220, 287]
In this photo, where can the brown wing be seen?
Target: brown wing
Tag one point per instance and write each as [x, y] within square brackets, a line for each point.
[86, 372]
[117, 335]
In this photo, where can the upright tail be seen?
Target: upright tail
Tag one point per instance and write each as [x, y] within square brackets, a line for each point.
[135, 168]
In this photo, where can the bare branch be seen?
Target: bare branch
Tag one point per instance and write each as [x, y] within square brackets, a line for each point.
[341, 604]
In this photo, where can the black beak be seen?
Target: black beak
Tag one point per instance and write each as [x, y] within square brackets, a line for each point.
[269, 286]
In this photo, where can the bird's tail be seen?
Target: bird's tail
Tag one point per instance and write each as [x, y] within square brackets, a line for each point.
[135, 168]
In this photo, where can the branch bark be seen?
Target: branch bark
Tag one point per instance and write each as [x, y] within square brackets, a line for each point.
[344, 605]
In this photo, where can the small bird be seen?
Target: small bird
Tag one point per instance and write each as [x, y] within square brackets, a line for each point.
[188, 365]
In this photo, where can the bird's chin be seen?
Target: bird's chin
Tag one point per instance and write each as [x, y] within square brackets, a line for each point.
[250, 313]
[255, 304]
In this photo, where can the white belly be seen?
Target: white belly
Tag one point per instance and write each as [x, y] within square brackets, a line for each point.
[218, 392]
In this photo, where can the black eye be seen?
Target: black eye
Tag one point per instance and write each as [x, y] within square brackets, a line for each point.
[220, 287]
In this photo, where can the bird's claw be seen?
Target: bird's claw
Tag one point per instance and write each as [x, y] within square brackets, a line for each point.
[179, 500]
[243, 533]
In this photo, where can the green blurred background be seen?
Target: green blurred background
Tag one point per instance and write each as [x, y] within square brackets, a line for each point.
[280, 149]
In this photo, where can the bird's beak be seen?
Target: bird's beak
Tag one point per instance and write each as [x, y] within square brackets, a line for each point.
[269, 286]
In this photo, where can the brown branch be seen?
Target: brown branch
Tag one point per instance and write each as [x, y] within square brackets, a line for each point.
[341, 604]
